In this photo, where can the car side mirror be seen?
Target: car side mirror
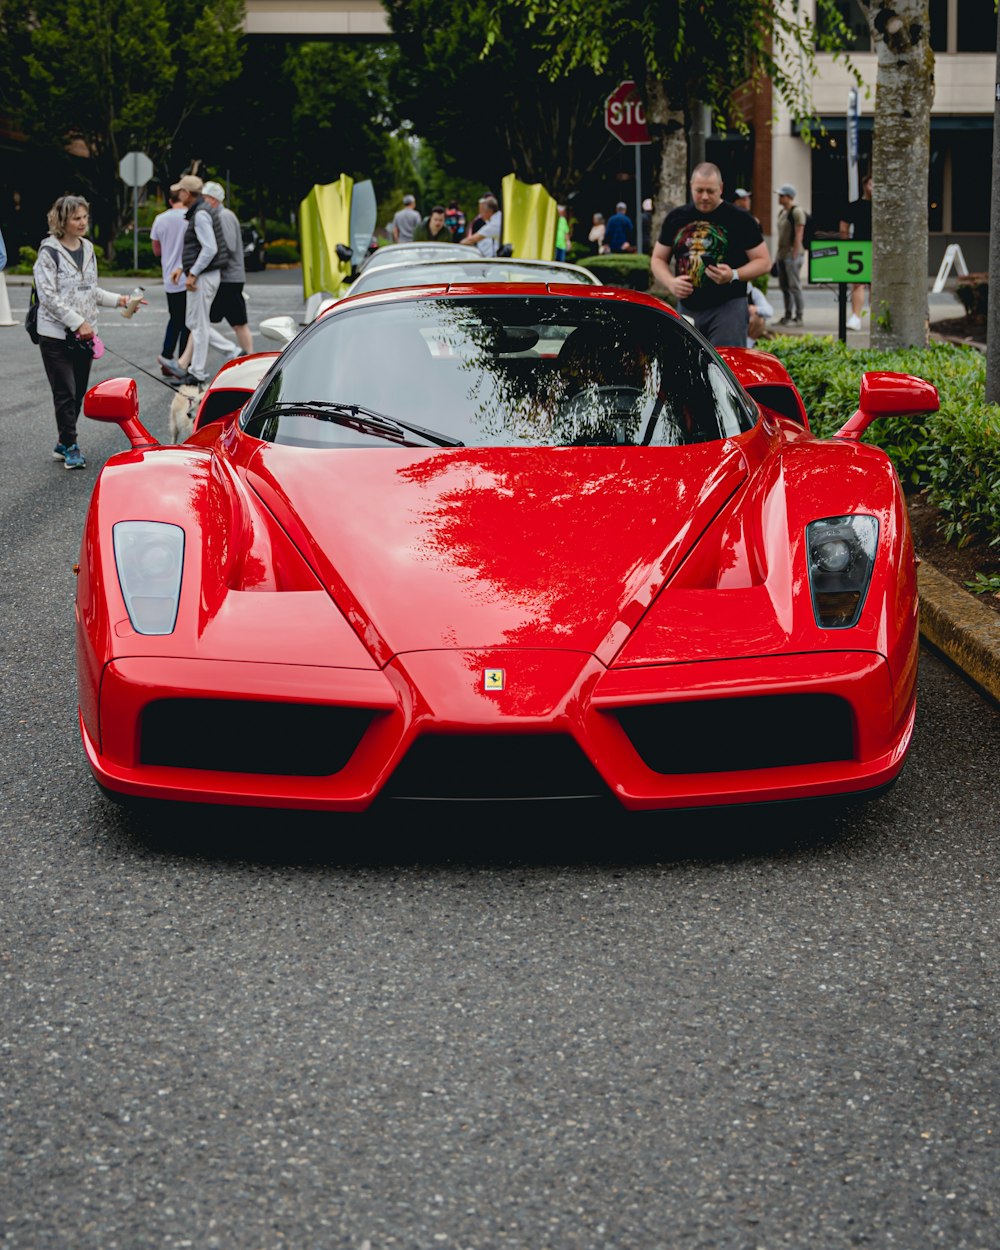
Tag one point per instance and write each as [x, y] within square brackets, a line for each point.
[885, 394]
[280, 329]
[506, 249]
[344, 253]
[117, 401]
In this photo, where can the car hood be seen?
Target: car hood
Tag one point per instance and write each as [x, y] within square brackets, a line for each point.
[496, 548]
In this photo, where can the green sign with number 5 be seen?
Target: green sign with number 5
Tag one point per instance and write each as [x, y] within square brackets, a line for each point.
[840, 260]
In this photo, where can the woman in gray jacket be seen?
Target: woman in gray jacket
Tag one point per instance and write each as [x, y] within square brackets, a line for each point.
[68, 299]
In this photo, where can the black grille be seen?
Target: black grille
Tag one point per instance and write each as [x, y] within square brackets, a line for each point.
[723, 735]
[241, 736]
[495, 766]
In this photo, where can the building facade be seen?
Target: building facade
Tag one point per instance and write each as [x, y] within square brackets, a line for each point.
[963, 36]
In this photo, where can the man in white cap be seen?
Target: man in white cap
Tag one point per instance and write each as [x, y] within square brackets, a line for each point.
[202, 259]
[230, 302]
[791, 229]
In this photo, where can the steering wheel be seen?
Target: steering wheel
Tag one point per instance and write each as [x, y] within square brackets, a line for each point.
[594, 405]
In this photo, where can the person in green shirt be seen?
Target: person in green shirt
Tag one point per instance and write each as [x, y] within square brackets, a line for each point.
[433, 228]
[562, 232]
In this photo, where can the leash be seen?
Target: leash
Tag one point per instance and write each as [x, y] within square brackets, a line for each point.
[125, 360]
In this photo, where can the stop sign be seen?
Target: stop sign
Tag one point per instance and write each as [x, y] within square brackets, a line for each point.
[624, 114]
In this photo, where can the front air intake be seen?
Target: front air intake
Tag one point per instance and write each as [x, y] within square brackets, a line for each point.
[735, 735]
[244, 736]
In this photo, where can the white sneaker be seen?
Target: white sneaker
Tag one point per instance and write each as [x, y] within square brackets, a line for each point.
[854, 322]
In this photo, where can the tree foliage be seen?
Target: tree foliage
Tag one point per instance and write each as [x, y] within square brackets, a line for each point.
[111, 76]
[702, 51]
[501, 112]
[683, 53]
[302, 113]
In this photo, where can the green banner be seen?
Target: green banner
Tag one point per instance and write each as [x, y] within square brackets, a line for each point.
[840, 260]
[324, 221]
[529, 218]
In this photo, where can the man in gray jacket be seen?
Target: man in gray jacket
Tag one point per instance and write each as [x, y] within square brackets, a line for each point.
[204, 254]
[230, 301]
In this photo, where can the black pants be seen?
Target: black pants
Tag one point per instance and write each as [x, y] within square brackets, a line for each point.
[68, 371]
[177, 332]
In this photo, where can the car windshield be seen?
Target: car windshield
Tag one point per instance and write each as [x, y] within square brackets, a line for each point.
[498, 371]
[427, 273]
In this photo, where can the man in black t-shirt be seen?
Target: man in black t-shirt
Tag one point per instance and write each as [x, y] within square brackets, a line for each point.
[716, 249]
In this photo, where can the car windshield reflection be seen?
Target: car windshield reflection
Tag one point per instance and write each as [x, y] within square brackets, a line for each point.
[504, 371]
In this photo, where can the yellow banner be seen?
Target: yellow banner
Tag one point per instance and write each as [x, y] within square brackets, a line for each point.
[529, 219]
[325, 221]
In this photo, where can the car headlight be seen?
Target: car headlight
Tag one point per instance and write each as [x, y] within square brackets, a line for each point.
[149, 556]
[841, 558]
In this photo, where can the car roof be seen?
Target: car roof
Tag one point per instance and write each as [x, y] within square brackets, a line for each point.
[393, 253]
[471, 269]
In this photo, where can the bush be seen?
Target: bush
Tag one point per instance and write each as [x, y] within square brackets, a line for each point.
[954, 454]
[283, 252]
[627, 269]
[972, 291]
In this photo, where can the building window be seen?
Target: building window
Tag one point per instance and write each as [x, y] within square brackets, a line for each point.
[971, 165]
[977, 26]
[939, 25]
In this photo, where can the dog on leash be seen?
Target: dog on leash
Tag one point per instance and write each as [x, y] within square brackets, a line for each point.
[183, 408]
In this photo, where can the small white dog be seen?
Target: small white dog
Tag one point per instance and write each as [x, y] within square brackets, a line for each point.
[183, 407]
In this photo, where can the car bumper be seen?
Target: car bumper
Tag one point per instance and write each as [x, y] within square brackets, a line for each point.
[431, 713]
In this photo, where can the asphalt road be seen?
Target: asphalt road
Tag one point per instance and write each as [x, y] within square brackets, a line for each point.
[489, 1033]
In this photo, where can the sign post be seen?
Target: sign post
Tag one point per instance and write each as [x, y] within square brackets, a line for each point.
[840, 261]
[852, 144]
[135, 169]
[625, 118]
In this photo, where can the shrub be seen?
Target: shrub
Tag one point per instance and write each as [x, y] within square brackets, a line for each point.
[627, 269]
[973, 291]
[283, 252]
[953, 454]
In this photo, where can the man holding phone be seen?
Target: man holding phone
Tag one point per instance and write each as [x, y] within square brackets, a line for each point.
[716, 250]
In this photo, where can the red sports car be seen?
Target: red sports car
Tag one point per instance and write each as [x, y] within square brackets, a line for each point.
[499, 542]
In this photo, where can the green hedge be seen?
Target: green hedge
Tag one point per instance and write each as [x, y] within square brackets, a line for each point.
[953, 454]
[627, 269]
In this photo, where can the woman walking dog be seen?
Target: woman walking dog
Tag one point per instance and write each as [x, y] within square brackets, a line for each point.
[68, 299]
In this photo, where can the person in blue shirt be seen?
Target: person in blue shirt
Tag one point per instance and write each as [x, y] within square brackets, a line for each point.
[3, 253]
[619, 233]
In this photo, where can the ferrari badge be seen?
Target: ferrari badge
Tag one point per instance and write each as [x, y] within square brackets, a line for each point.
[493, 678]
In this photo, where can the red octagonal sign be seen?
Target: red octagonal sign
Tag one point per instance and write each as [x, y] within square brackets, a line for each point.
[624, 114]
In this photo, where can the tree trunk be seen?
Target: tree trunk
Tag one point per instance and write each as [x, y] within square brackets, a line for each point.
[900, 162]
[670, 147]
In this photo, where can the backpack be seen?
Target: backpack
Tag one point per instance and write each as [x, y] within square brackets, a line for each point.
[808, 233]
[31, 316]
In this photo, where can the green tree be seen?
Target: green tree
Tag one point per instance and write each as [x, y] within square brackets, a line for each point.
[105, 77]
[901, 144]
[683, 53]
[301, 113]
[489, 115]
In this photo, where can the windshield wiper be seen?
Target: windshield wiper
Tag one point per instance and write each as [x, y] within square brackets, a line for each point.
[361, 418]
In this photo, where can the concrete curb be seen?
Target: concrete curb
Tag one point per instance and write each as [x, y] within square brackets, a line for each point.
[962, 629]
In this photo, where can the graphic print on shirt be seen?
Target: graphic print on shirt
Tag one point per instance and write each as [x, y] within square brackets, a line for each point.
[697, 245]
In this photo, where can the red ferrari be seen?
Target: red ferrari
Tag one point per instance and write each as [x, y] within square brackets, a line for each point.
[499, 542]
